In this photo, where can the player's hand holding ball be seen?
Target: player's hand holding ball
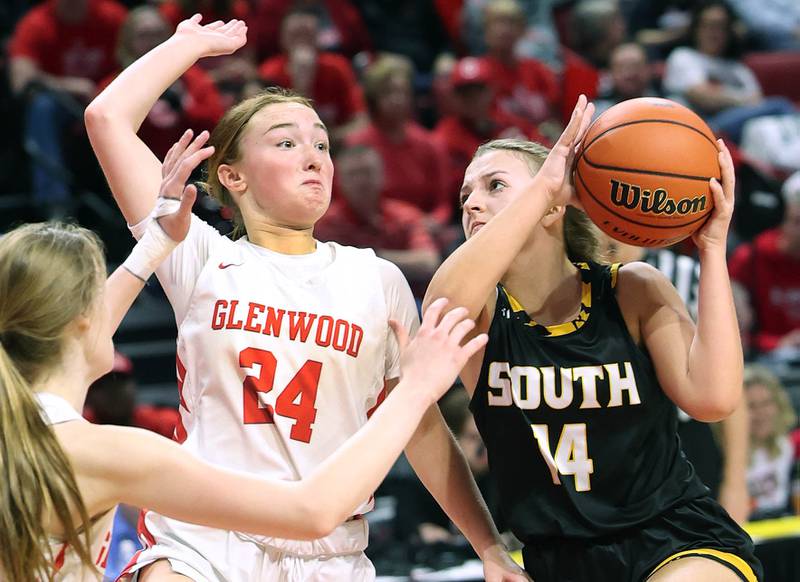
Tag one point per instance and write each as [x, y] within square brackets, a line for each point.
[556, 172]
[435, 356]
[175, 198]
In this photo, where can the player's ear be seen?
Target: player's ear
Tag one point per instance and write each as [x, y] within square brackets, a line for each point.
[553, 215]
[232, 179]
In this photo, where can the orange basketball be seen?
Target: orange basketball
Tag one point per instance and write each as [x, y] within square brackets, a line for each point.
[642, 173]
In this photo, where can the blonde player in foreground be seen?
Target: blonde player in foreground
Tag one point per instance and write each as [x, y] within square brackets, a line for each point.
[62, 477]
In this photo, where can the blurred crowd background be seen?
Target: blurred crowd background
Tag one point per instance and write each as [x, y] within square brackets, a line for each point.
[408, 90]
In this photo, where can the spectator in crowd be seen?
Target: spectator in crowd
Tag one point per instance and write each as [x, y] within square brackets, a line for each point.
[709, 77]
[112, 400]
[597, 27]
[412, 28]
[773, 24]
[60, 50]
[361, 216]
[413, 164]
[341, 28]
[523, 87]
[659, 25]
[774, 140]
[630, 76]
[325, 77]
[418, 516]
[771, 451]
[234, 75]
[192, 101]
[767, 271]
[538, 39]
[473, 120]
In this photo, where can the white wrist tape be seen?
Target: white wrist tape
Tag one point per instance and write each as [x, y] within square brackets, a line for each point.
[155, 245]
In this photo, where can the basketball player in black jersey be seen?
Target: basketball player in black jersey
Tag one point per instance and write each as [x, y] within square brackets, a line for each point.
[575, 393]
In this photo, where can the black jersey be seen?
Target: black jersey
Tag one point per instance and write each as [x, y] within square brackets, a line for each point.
[581, 438]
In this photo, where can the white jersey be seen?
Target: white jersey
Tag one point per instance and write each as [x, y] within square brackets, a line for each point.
[280, 357]
[66, 564]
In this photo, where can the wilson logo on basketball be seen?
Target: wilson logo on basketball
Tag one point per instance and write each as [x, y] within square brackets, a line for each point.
[658, 201]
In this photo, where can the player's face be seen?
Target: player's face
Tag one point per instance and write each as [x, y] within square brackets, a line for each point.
[763, 412]
[286, 164]
[491, 182]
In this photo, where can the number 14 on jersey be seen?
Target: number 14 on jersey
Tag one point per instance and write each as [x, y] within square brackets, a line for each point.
[572, 454]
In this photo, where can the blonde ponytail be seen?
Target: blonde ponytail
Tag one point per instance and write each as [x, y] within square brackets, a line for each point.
[49, 274]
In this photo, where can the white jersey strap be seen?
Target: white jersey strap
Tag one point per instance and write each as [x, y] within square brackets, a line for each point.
[55, 409]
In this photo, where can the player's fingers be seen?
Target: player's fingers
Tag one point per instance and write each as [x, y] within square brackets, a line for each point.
[431, 316]
[588, 114]
[571, 131]
[726, 167]
[474, 345]
[720, 203]
[188, 163]
[451, 319]
[400, 332]
[187, 199]
[175, 150]
[461, 329]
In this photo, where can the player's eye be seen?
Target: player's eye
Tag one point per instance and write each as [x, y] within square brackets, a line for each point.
[495, 184]
[286, 144]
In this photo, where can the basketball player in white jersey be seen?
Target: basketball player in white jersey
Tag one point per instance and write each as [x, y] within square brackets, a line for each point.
[63, 476]
[283, 344]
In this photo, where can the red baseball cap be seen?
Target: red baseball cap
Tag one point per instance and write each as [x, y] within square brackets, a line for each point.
[470, 71]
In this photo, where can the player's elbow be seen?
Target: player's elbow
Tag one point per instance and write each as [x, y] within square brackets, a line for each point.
[714, 409]
[315, 519]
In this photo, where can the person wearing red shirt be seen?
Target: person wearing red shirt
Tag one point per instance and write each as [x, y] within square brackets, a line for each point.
[473, 121]
[523, 87]
[111, 399]
[414, 164]
[59, 51]
[341, 28]
[325, 77]
[768, 270]
[234, 75]
[192, 101]
[361, 216]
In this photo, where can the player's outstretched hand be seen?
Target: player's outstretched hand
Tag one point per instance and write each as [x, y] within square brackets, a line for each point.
[556, 172]
[181, 160]
[714, 233]
[433, 359]
[216, 38]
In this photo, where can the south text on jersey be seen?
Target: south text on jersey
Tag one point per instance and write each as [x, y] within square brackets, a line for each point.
[527, 387]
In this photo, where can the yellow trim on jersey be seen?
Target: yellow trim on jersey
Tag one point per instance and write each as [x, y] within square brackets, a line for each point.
[732, 560]
[614, 269]
[560, 328]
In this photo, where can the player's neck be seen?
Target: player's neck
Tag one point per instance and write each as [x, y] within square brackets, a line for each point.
[285, 240]
[547, 285]
[70, 379]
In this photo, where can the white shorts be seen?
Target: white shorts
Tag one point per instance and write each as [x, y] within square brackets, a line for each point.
[213, 555]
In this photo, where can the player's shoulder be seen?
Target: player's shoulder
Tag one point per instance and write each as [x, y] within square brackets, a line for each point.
[640, 279]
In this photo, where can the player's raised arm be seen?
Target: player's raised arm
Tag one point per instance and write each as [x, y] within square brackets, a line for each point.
[469, 275]
[114, 117]
[160, 475]
[700, 368]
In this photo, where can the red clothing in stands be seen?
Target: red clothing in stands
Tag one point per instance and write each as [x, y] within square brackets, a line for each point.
[399, 228]
[526, 89]
[345, 32]
[336, 94]
[773, 280]
[159, 419]
[461, 141]
[200, 107]
[173, 12]
[414, 169]
[84, 50]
